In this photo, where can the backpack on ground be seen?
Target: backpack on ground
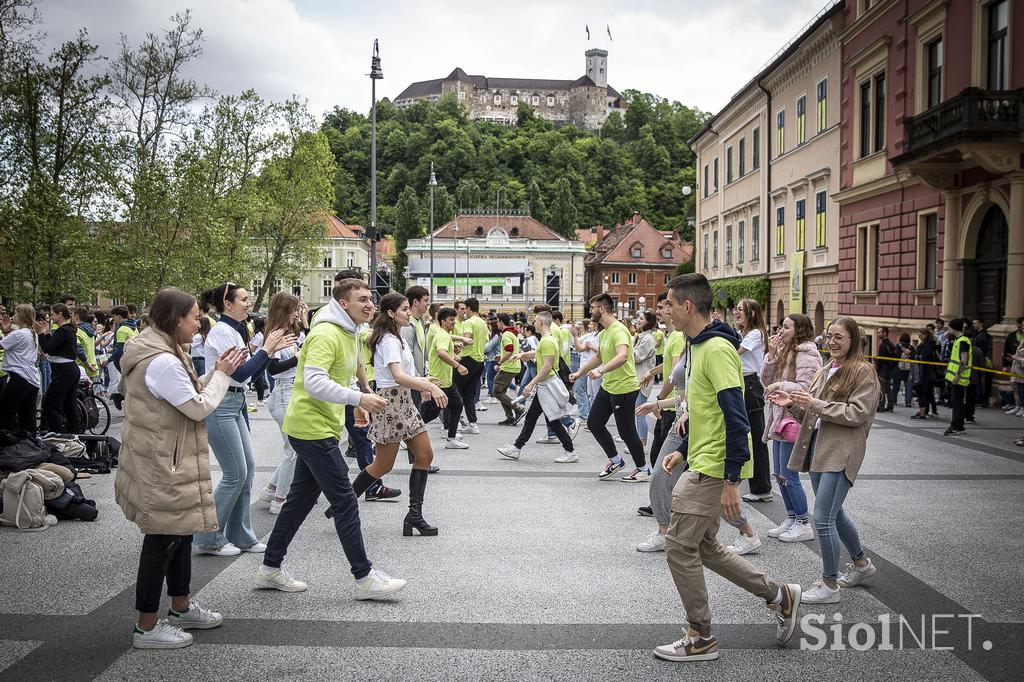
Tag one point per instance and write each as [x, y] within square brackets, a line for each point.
[24, 498]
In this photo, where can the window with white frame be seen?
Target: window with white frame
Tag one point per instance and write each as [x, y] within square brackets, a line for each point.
[615, 278]
[739, 242]
[631, 278]
[714, 249]
[868, 252]
[513, 100]
[535, 100]
[551, 101]
[328, 259]
[497, 99]
[297, 288]
[327, 286]
[350, 259]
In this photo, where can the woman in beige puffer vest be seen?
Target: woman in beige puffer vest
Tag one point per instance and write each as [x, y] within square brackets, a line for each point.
[163, 479]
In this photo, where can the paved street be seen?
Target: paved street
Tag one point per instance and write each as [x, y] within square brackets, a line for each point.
[535, 576]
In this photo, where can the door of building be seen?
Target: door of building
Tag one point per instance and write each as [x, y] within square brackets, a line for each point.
[989, 280]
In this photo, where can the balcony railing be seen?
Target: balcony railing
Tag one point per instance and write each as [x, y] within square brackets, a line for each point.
[973, 115]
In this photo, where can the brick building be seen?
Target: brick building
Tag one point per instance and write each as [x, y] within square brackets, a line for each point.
[634, 262]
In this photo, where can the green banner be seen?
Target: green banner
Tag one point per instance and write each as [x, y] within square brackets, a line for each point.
[474, 281]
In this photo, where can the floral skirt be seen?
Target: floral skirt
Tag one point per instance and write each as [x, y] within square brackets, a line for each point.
[397, 422]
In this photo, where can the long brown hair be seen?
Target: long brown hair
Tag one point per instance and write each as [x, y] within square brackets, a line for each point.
[25, 318]
[755, 319]
[168, 307]
[385, 324]
[803, 330]
[844, 381]
[282, 308]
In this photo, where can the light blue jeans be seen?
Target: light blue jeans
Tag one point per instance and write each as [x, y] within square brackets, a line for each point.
[641, 422]
[790, 486]
[228, 431]
[582, 396]
[831, 522]
[278, 405]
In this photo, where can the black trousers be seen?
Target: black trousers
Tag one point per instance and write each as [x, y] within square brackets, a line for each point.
[884, 403]
[970, 400]
[661, 430]
[60, 409]
[530, 423]
[623, 407]
[429, 410]
[753, 399]
[18, 404]
[164, 557]
[469, 386]
[957, 399]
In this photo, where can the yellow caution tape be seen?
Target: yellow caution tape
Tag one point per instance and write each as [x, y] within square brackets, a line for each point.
[943, 364]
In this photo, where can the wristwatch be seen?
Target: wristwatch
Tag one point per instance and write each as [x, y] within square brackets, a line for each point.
[732, 479]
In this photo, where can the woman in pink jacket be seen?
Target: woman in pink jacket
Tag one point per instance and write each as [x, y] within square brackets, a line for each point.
[790, 365]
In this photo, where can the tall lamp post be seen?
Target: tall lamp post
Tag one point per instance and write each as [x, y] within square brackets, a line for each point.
[455, 262]
[432, 184]
[375, 75]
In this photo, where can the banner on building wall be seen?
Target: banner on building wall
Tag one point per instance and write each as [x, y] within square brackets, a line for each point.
[796, 282]
[474, 281]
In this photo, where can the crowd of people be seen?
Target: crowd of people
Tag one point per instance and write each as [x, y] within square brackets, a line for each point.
[698, 406]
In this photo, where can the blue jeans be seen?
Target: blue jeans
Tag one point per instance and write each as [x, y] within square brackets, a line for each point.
[831, 522]
[277, 406]
[320, 467]
[228, 431]
[529, 373]
[792, 489]
[200, 365]
[361, 443]
[45, 374]
[641, 422]
[490, 371]
[580, 388]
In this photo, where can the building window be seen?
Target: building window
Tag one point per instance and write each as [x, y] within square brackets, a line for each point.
[637, 252]
[880, 112]
[631, 303]
[780, 231]
[615, 278]
[819, 219]
[867, 258]
[801, 120]
[705, 240]
[706, 184]
[933, 50]
[476, 290]
[276, 286]
[997, 43]
[755, 149]
[297, 289]
[551, 101]
[483, 98]
[442, 290]
[666, 252]
[462, 95]
[927, 250]
[872, 115]
[716, 174]
[328, 285]
[755, 238]
[728, 244]
[513, 100]
[667, 278]
[800, 223]
[739, 243]
[257, 284]
[728, 165]
[714, 250]
[350, 259]
[497, 100]
[631, 278]
[780, 133]
[535, 100]
[498, 291]
[517, 289]
[328, 259]
[822, 105]
[743, 157]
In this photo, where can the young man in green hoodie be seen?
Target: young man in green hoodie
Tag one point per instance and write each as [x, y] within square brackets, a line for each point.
[718, 457]
[330, 364]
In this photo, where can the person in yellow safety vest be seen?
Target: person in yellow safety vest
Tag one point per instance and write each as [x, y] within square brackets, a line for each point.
[958, 375]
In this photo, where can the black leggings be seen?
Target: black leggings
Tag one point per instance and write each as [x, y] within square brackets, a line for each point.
[753, 399]
[163, 557]
[530, 423]
[469, 386]
[623, 407]
[18, 404]
[429, 410]
[60, 408]
[661, 430]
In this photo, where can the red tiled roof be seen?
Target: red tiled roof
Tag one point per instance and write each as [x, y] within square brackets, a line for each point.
[339, 229]
[473, 225]
[618, 245]
[386, 249]
[591, 235]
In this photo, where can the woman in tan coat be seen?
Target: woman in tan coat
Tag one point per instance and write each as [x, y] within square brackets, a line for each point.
[836, 414]
[163, 481]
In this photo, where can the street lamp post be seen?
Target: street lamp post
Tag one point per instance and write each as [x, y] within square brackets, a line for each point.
[375, 75]
[432, 184]
[455, 262]
[467, 266]
[642, 300]
[604, 288]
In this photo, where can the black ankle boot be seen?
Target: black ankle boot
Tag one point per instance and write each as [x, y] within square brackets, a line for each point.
[359, 486]
[414, 519]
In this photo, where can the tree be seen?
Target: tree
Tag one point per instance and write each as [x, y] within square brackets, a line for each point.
[563, 212]
[538, 209]
[408, 225]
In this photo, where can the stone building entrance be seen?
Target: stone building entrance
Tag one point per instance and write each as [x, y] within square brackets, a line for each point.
[984, 279]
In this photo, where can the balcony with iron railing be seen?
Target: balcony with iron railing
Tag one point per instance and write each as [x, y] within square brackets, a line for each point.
[974, 115]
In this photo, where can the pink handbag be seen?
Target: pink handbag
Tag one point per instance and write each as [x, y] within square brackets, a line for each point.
[789, 428]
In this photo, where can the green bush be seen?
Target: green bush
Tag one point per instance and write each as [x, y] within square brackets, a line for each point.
[728, 292]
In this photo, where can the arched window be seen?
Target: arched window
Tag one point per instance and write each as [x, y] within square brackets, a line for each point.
[514, 232]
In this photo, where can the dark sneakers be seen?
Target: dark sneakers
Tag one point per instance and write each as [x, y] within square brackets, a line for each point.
[382, 494]
[692, 647]
[786, 612]
[645, 511]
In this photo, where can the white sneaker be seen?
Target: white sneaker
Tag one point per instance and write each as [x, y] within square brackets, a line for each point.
[472, 430]
[820, 593]
[574, 430]
[480, 407]
[279, 579]
[853, 576]
[196, 618]
[227, 549]
[567, 458]
[491, 401]
[745, 545]
[782, 528]
[509, 451]
[751, 497]
[1009, 408]
[162, 636]
[376, 585]
[403, 446]
[266, 495]
[547, 440]
[455, 444]
[798, 532]
[258, 548]
[462, 422]
[636, 476]
[276, 506]
[655, 542]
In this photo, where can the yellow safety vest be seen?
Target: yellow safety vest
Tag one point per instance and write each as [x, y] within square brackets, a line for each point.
[953, 366]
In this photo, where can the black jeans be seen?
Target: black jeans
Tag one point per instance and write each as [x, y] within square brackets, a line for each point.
[18, 404]
[429, 410]
[469, 386]
[753, 399]
[970, 400]
[957, 398]
[319, 466]
[530, 423]
[163, 557]
[623, 407]
[884, 403]
[661, 430]
[60, 409]
[358, 437]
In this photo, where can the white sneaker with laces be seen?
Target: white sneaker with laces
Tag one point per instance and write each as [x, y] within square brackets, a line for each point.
[567, 458]
[655, 542]
[376, 585]
[636, 476]
[574, 430]
[745, 545]
[471, 430]
[266, 495]
[196, 618]
[852, 575]
[455, 444]
[547, 440]
[480, 407]
[491, 401]
[258, 548]
[820, 593]
[509, 451]
[782, 528]
[751, 497]
[162, 636]
[798, 532]
[278, 579]
[276, 506]
[227, 549]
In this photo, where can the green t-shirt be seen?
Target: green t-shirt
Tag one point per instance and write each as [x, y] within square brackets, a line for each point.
[328, 346]
[715, 367]
[364, 336]
[420, 336]
[675, 345]
[436, 367]
[123, 333]
[478, 328]
[88, 345]
[510, 339]
[622, 379]
[548, 348]
[564, 338]
[659, 341]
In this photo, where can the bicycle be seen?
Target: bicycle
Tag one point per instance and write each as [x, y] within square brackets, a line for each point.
[92, 411]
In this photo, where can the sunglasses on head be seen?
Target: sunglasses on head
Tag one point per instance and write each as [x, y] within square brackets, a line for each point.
[227, 290]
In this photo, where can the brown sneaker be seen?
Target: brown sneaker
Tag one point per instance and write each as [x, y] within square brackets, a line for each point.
[786, 612]
[692, 647]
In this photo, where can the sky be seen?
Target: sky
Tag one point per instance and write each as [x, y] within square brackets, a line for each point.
[693, 51]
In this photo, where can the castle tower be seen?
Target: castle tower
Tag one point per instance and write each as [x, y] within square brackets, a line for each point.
[597, 66]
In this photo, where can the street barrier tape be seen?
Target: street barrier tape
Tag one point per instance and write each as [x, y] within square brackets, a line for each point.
[942, 364]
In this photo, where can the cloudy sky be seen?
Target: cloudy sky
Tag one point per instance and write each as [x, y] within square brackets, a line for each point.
[695, 51]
